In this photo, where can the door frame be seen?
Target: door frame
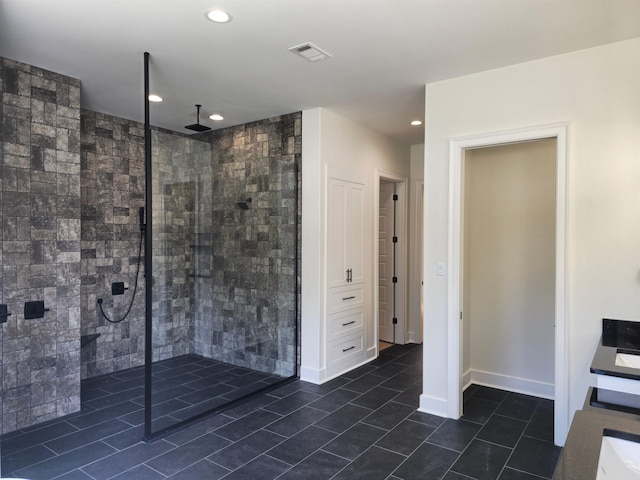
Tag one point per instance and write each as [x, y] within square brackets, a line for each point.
[416, 291]
[457, 147]
[401, 182]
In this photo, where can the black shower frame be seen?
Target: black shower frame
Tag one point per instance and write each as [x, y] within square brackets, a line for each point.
[149, 434]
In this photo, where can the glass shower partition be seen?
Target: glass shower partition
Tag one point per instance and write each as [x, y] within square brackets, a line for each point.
[181, 233]
[225, 280]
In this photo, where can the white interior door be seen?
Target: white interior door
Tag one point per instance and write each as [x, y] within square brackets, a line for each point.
[385, 262]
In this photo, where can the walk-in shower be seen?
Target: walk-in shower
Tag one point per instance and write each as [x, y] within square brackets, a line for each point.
[222, 307]
[223, 311]
[214, 315]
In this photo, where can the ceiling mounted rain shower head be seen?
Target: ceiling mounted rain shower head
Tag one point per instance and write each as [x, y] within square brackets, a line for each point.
[244, 205]
[196, 127]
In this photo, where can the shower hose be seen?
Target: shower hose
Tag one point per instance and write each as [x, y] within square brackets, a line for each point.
[135, 286]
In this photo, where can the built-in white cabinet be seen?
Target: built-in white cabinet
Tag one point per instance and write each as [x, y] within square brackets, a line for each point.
[346, 289]
[345, 233]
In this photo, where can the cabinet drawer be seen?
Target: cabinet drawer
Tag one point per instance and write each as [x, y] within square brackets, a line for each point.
[343, 349]
[344, 323]
[344, 298]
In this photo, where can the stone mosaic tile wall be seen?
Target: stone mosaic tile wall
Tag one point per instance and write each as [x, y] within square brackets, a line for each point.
[2, 224]
[40, 208]
[112, 192]
[187, 220]
[181, 226]
[254, 314]
[112, 175]
[71, 185]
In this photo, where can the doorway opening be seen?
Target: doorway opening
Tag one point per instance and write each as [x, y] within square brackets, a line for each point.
[553, 382]
[391, 248]
[508, 271]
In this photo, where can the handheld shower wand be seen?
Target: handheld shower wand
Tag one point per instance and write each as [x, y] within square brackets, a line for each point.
[143, 225]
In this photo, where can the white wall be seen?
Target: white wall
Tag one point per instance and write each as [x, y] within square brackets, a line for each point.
[509, 241]
[330, 138]
[596, 91]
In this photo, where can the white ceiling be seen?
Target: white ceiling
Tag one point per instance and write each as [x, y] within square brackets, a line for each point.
[383, 51]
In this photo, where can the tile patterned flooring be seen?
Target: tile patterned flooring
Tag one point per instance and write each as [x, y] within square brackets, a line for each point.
[361, 425]
[183, 387]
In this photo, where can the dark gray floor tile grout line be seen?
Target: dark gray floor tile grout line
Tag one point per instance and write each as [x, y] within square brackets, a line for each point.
[363, 392]
[459, 453]
[528, 422]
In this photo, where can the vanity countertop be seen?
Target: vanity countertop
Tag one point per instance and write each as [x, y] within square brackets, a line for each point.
[603, 408]
[618, 336]
[579, 458]
[604, 363]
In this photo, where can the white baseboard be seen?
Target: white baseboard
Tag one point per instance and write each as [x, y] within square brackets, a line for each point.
[320, 376]
[313, 375]
[466, 380]
[512, 384]
[413, 337]
[433, 405]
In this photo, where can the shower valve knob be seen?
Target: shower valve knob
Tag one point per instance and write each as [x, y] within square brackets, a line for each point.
[4, 313]
[118, 288]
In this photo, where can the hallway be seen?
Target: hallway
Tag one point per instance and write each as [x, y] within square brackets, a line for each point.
[361, 425]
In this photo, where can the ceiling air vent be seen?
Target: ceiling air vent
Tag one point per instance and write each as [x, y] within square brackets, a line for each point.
[310, 52]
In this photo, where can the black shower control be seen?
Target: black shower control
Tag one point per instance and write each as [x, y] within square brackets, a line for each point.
[34, 309]
[118, 288]
[4, 313]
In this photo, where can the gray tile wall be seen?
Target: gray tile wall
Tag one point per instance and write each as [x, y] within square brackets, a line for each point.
[195, 196]
[112, 175]
[71, 185]
[181, 226]
[40, 163]
[1, 242]
[225, 278]
[254, 313]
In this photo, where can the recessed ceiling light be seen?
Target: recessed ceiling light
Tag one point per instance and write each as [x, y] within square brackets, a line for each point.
[155, 98]
[415, 123]
[216, 116]
[218, 16]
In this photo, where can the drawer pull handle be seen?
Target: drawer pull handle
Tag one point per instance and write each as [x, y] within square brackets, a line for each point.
[347, 349]
[349, 298]
[349, 278]
[348, 323]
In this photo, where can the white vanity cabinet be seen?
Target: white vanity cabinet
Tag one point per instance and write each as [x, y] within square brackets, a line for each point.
[346, 289]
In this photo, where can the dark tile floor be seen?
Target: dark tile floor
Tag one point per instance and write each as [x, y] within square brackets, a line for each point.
[182, 387]
[362, 425]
